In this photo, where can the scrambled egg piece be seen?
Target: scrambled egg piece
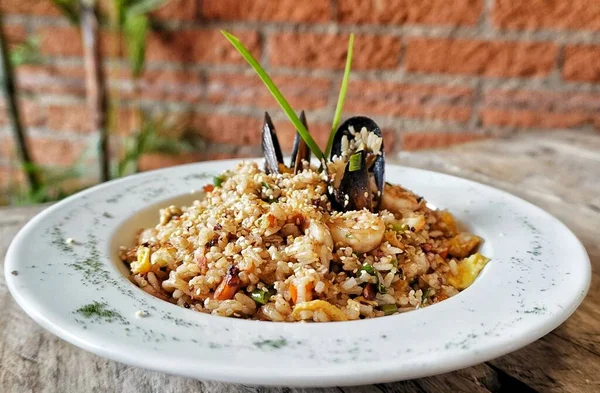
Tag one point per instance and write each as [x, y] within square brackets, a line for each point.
[332, 311]
[142, 265]
[463, 244]
[468, 270]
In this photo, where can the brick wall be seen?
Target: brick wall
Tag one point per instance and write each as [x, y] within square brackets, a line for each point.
[431, 72]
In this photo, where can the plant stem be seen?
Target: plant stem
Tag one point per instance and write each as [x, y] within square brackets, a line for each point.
[95, 84]
[10, 95]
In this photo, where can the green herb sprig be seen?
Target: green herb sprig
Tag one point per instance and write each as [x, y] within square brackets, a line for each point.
[342, 96]
[312, 145]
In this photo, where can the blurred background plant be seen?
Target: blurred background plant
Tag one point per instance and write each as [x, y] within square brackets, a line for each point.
[130, 22]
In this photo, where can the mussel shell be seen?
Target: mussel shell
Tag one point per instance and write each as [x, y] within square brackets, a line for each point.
[353, 192]
[270, 147]
[300, 150]
[378, 167]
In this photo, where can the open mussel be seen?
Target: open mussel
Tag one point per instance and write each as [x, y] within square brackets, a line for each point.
[356, 166]
[272, 150]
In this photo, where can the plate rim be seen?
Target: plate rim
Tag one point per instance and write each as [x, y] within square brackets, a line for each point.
[297, 379]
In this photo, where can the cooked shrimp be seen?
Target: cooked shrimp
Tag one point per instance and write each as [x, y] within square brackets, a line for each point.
[322, 236]
[361, 230]
[398, 200]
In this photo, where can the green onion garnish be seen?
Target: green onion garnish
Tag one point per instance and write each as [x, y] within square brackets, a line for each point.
[355, 162]
[260, 296]
[265, 185]
[426, 295]
[341, 97]
[218, 180]
[389, 309]
[262, 74]
[399, 227]
[367, 268]
[380, 287]
[395, 263]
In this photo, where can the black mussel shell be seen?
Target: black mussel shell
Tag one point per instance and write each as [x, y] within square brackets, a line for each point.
[270, 147]
[300, 150]
[360, 179]
[353, 191]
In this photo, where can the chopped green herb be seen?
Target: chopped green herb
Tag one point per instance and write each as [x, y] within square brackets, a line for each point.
[399, 227]
[265, 185]
[426, 295]
[367, 268]
[355, 162]
[348, 235]
[395, 263]
[389, 309]
[262, 74]
[96, 309]
[342, 96]
[380, 287]
[260, 296]
[218, 180]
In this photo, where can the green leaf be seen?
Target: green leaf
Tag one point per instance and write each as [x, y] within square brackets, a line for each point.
[69, 8]
[342, 97]
[136, 28]
[312, 145]
[355, 162]
[142, 7]
[27, 52]
[389, 309]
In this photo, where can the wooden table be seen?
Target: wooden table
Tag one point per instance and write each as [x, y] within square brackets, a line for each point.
[559, 172]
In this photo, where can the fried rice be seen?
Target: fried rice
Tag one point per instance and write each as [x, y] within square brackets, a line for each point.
[271, 247]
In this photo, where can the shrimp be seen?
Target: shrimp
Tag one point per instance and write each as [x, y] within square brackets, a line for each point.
[398, 200]
[324, 242]
[361, 230]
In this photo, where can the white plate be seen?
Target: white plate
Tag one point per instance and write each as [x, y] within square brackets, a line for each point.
[538, 275]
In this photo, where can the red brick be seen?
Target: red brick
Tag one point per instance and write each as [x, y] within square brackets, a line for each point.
[32, 114]
[232, 129]
[15, 34]
[582, 63]
[542, 14]
[29, 7]
[267, 10]
[540, 109]
[286, 132]
[51, 79]
[414, 101]
[166, 85]
[199, 45]
[312, 50]
[55, 152]
[156, 160]
[177, 10]
[70, 118]
[47, 151]
[66, 41]
[303, 93]
[10, 178]
[397, 12]
[435, 140]
[462, 56]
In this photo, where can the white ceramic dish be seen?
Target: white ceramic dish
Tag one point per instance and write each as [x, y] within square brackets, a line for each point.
[538, 274]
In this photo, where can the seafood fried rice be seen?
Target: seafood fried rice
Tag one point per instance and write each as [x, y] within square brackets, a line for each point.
[273, 247]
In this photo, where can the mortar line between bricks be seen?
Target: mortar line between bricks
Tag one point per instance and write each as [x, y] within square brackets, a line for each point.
[394, 76]
[564, 36]
[485, 32]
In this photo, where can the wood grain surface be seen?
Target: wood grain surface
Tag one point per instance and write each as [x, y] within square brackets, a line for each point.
[559, 172]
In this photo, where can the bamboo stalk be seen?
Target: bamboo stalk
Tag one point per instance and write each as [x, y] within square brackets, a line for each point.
[95, 83]
[12, 108]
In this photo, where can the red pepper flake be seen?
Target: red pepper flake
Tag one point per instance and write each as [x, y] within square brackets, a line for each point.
[208, 188]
